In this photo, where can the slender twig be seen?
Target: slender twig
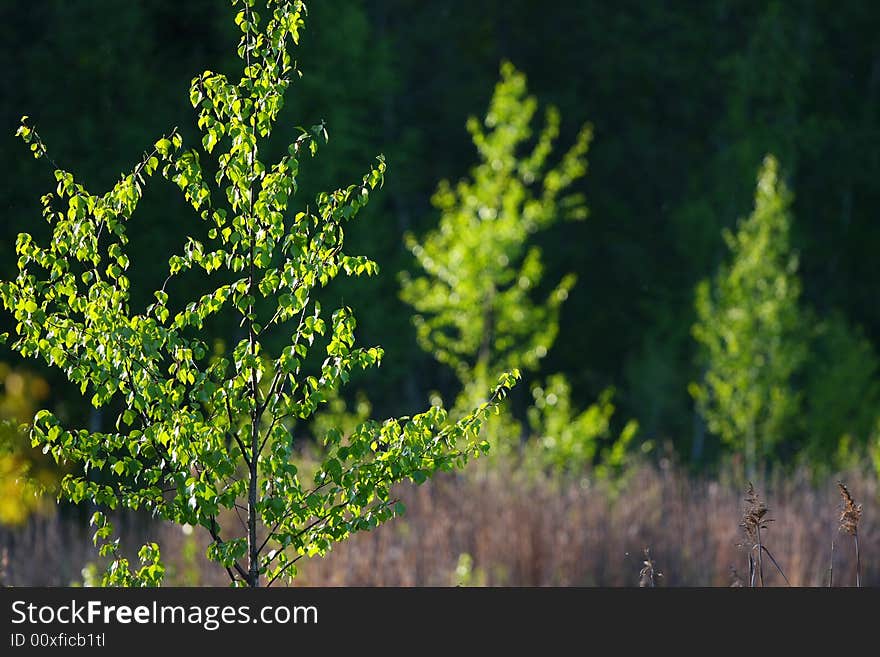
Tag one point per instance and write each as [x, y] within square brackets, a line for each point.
[858, 562]
[283, 568]
[849, 524]
[278, 310]
[212, 530]
[267, 436]
[831, 567]
[441, 434]
[760, 559]
[466, 427]
[764, 549]
[237, 506]
[308, 528]
[270, 393]
[231, 574]
[234, 435]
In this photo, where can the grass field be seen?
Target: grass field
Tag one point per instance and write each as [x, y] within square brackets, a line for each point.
[499, 527]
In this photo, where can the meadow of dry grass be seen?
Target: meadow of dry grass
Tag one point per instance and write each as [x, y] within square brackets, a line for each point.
[497, 526]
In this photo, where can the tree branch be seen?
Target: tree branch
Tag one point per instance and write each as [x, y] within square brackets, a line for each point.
[212, 529]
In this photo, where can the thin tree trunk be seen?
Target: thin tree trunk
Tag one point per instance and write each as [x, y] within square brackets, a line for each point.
[253, 553]
[253, 546]
[253, 574]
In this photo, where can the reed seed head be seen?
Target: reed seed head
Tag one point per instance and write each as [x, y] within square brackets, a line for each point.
[647, 573]
[851, 514]
[755, 515]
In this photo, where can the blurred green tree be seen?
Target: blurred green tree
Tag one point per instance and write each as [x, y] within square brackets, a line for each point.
[750, 330]
[566, 440]
[479, 300]
[474, 301]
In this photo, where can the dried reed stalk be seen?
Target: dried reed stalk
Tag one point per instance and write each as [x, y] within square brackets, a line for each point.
[849, 524]
[755, 519]
[648, 572]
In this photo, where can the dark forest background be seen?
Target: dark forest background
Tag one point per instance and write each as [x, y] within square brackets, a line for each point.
[685, 99]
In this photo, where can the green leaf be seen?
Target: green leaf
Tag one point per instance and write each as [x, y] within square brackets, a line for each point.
[164, 147]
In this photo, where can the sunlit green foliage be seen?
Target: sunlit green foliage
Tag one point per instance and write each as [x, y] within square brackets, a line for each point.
[480, 303]
[751, 330]
[200, 436]
[565, 439]
[475, 300]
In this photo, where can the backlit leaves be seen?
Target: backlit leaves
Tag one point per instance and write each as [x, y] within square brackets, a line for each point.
[475, 296]
[197, 425]
[750, 328]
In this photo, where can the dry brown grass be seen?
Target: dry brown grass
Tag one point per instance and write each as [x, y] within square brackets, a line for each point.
[535, 533]
[529, 531]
